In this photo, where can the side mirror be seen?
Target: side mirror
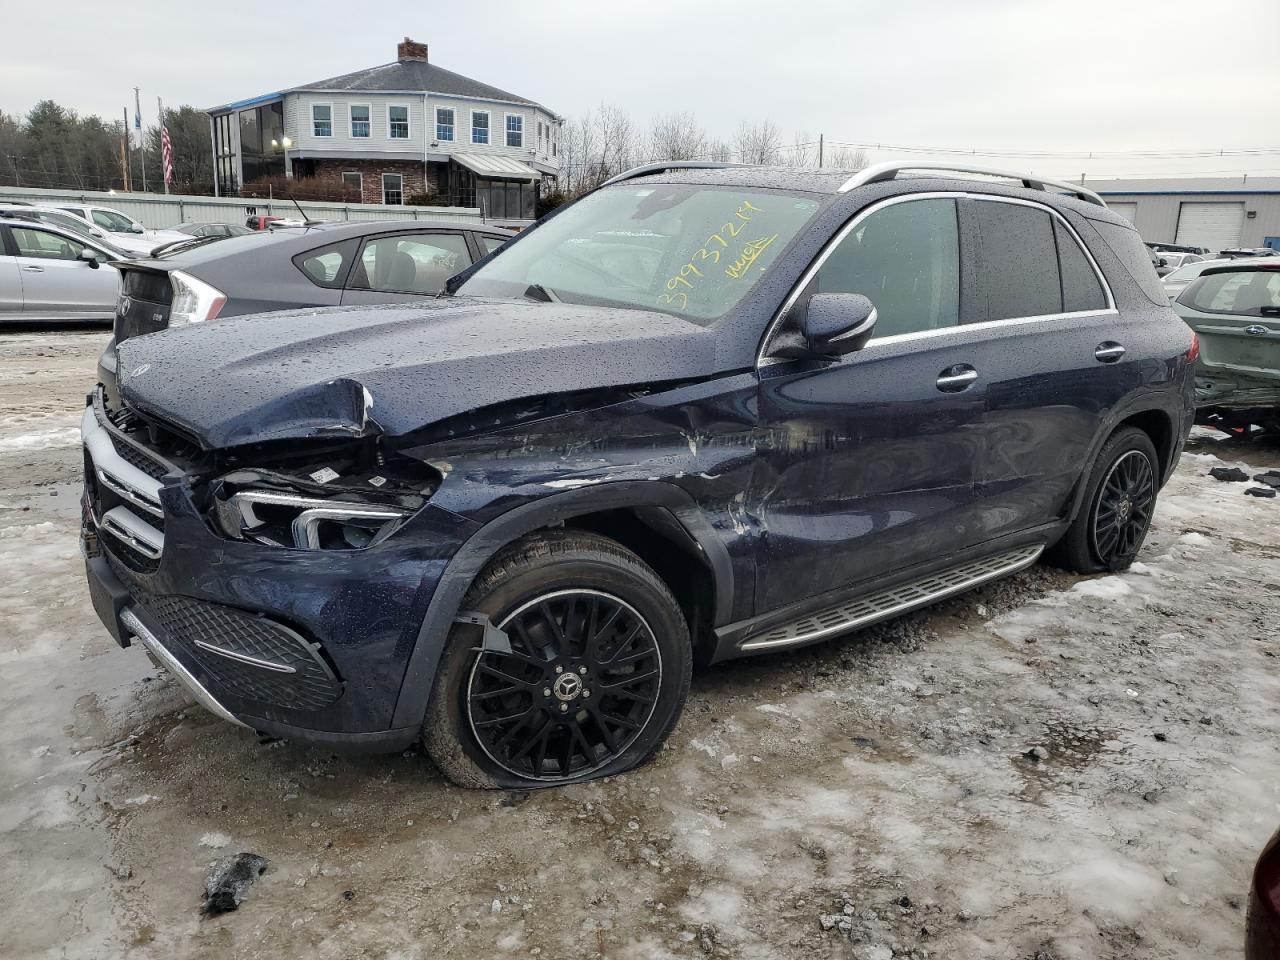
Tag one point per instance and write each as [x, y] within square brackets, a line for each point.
[136, 229]
[1163, 262]
[837, 323]
[90, 257]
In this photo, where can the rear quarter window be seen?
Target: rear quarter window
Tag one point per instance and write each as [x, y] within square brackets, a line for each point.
[1129, 249]
[327, 266]
[1081, 289]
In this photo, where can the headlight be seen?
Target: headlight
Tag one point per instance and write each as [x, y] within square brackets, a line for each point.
[283, 519]
[194, 301]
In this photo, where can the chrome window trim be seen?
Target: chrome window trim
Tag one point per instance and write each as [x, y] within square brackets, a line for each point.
[805, 278]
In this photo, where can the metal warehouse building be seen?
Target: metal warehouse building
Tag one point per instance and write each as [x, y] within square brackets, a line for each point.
[1212, 212]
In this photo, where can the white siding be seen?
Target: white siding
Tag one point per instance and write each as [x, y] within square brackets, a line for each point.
[378, 141]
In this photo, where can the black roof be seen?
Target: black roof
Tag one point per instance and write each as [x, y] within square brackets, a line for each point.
[419, 76]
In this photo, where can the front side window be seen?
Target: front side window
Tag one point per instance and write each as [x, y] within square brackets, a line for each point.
[360, 121]
[398, 123]
[515, 131]
[410, 264]
[444, 123]
[322, 120]
[1019, 260]
[1253, 293]
[392, 188]
[44, 245]
[905, 258]
[692, 251]
[479, 126]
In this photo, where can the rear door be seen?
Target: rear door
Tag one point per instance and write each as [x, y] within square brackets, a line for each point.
[405, 266]
[56, 282]
[1048, 381]
[10, 278]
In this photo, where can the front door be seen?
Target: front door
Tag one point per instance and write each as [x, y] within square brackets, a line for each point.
[868, 463]
[56, 282]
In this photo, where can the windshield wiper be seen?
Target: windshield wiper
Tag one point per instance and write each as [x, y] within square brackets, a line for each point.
[536, 291]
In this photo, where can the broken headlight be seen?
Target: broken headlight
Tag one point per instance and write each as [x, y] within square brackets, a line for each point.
[320, 511]
[286, 520]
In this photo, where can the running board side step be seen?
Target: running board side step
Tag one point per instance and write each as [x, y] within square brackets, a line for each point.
[884, 604]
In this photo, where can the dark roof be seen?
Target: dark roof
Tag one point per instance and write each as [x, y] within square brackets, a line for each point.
[419, 76]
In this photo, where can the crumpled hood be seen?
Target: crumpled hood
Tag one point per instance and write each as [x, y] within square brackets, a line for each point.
[352, 371]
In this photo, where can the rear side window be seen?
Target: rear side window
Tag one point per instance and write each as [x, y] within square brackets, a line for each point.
[1020, 260]
[1081, 289]
[1255, 293]
[1128, 247]
[410, 264]
[325, 266]
[905, 258]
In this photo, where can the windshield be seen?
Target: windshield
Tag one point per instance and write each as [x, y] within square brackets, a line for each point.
[689, 250]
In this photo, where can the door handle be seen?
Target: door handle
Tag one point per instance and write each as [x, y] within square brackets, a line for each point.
[956, 378]
[1108, 351]
[31, 268]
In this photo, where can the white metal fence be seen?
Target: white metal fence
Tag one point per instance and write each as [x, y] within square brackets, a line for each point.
[156, 210]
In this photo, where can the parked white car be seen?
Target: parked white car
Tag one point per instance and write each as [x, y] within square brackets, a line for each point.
[126, 232]
[48, 273]
[1177, 281]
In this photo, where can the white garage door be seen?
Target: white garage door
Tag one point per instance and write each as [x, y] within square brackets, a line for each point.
[1127, 210]
[1213, 225]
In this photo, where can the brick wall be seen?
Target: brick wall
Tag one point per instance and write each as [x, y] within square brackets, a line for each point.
[414, 172]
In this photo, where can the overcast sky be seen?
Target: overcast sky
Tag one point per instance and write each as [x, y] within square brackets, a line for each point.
[996, 75]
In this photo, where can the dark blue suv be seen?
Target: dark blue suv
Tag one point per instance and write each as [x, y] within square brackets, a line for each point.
[704, 411]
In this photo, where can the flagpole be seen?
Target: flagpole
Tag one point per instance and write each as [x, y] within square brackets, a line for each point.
[164, 164]
[142, 138]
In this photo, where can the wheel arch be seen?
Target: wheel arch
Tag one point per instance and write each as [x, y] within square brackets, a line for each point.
[1156, 422]
[648, 517]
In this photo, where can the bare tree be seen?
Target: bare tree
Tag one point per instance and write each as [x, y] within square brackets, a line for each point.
[759, 142]
[842, 157]
[719, 151]
[804, 150]
[676, 136]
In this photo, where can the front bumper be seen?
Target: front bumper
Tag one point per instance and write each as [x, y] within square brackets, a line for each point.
[305, 644]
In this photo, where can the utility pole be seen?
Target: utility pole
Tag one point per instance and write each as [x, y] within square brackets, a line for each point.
[124, 151]
[821, 143]
[142, 139]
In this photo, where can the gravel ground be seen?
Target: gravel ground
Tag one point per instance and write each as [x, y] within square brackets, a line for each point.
[1050, 767]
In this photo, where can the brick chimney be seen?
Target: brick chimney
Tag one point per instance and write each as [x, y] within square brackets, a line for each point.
[410, 50]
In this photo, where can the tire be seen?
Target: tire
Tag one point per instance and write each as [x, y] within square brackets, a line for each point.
[1119, 500]
[582, 603]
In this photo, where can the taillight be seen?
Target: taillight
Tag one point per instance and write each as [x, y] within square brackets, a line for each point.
[1193, 351]
[194, 301]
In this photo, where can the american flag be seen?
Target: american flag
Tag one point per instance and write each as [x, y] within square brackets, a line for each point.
[166, 156]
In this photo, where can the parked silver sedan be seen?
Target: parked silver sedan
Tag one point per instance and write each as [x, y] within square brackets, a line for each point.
[51, 274]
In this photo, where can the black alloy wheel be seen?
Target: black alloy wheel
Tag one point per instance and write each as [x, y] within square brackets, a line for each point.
[1123, 512]
[580, 683]
[1115, 507]
[584, 676]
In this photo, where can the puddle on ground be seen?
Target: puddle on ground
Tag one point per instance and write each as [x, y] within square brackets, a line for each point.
[1071, 750]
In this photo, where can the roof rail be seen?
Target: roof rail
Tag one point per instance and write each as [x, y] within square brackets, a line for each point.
[662, 167]
[879, 172]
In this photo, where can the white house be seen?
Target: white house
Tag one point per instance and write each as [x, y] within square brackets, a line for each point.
[392, 132]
